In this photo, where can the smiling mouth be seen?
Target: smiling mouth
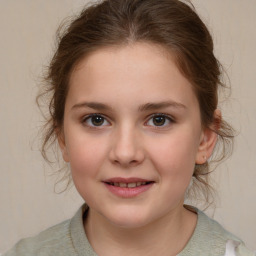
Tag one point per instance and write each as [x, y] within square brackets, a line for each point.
[130, 184]
[128, 187]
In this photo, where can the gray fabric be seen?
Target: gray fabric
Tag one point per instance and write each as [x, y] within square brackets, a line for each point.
[69, 238]
[209, 238]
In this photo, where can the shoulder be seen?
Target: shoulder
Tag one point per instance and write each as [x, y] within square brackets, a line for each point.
[211, 239]
[221, 238]
[212, 229]
[66, 238]
[49, 242]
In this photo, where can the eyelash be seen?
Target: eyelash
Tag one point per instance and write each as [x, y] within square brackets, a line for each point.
[167, 118]
[89, 117]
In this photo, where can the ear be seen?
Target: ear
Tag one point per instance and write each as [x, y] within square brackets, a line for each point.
[208, 139]
[62, 145]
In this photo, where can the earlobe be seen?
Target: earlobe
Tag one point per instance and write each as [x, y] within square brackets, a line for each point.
[62, 145]
[208, 139]
[207, 144]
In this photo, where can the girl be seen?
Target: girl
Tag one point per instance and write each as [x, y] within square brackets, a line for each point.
[133, 106]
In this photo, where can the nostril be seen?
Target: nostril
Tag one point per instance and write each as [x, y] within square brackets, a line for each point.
[126, 163]
[126, 155]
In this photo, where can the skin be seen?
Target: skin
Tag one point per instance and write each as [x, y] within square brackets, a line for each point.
[131, 81]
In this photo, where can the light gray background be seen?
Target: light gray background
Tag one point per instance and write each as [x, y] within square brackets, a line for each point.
[27, 201]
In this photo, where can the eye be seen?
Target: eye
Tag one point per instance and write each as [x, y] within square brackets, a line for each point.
[160, 120]
[95, 120]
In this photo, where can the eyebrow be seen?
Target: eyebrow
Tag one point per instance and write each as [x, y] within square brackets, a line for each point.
[159, 105]
[93, 105]
[144, 107]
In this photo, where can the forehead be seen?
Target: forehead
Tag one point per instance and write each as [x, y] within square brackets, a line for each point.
[131, 56]
[142, 71]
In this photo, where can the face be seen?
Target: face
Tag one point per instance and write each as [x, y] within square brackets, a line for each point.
[132, 134]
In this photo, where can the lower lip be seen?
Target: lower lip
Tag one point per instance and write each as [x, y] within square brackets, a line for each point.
[128, 192]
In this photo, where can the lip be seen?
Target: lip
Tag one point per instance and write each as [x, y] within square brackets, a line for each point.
[126, 192]
[125, 180]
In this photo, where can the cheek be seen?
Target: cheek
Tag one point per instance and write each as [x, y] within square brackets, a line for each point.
[86, 159]
[175, 156]
[86, 156]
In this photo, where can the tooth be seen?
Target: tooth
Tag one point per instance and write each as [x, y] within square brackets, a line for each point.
[143, 183]
[131, 185]
[138, 184]
[122, 185]
[116, 184]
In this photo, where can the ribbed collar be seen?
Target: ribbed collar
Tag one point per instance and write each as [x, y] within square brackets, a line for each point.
[204, 238]
[78, 236]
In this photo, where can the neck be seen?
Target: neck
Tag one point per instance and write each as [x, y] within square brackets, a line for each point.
[171, 232]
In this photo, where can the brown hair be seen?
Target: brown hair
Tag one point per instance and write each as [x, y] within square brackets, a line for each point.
[171, 24]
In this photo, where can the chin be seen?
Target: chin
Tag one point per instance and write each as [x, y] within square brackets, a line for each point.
[129, 220]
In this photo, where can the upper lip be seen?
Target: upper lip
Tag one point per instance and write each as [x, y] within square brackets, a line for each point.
[125, 180]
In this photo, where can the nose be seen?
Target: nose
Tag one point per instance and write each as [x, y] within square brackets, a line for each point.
[126, 148]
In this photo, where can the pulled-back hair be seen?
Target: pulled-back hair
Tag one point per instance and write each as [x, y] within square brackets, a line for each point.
[171, 24]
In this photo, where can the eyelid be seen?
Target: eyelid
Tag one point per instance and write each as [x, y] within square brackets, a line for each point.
[86, 117]
[162, 114]
[167, 116]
